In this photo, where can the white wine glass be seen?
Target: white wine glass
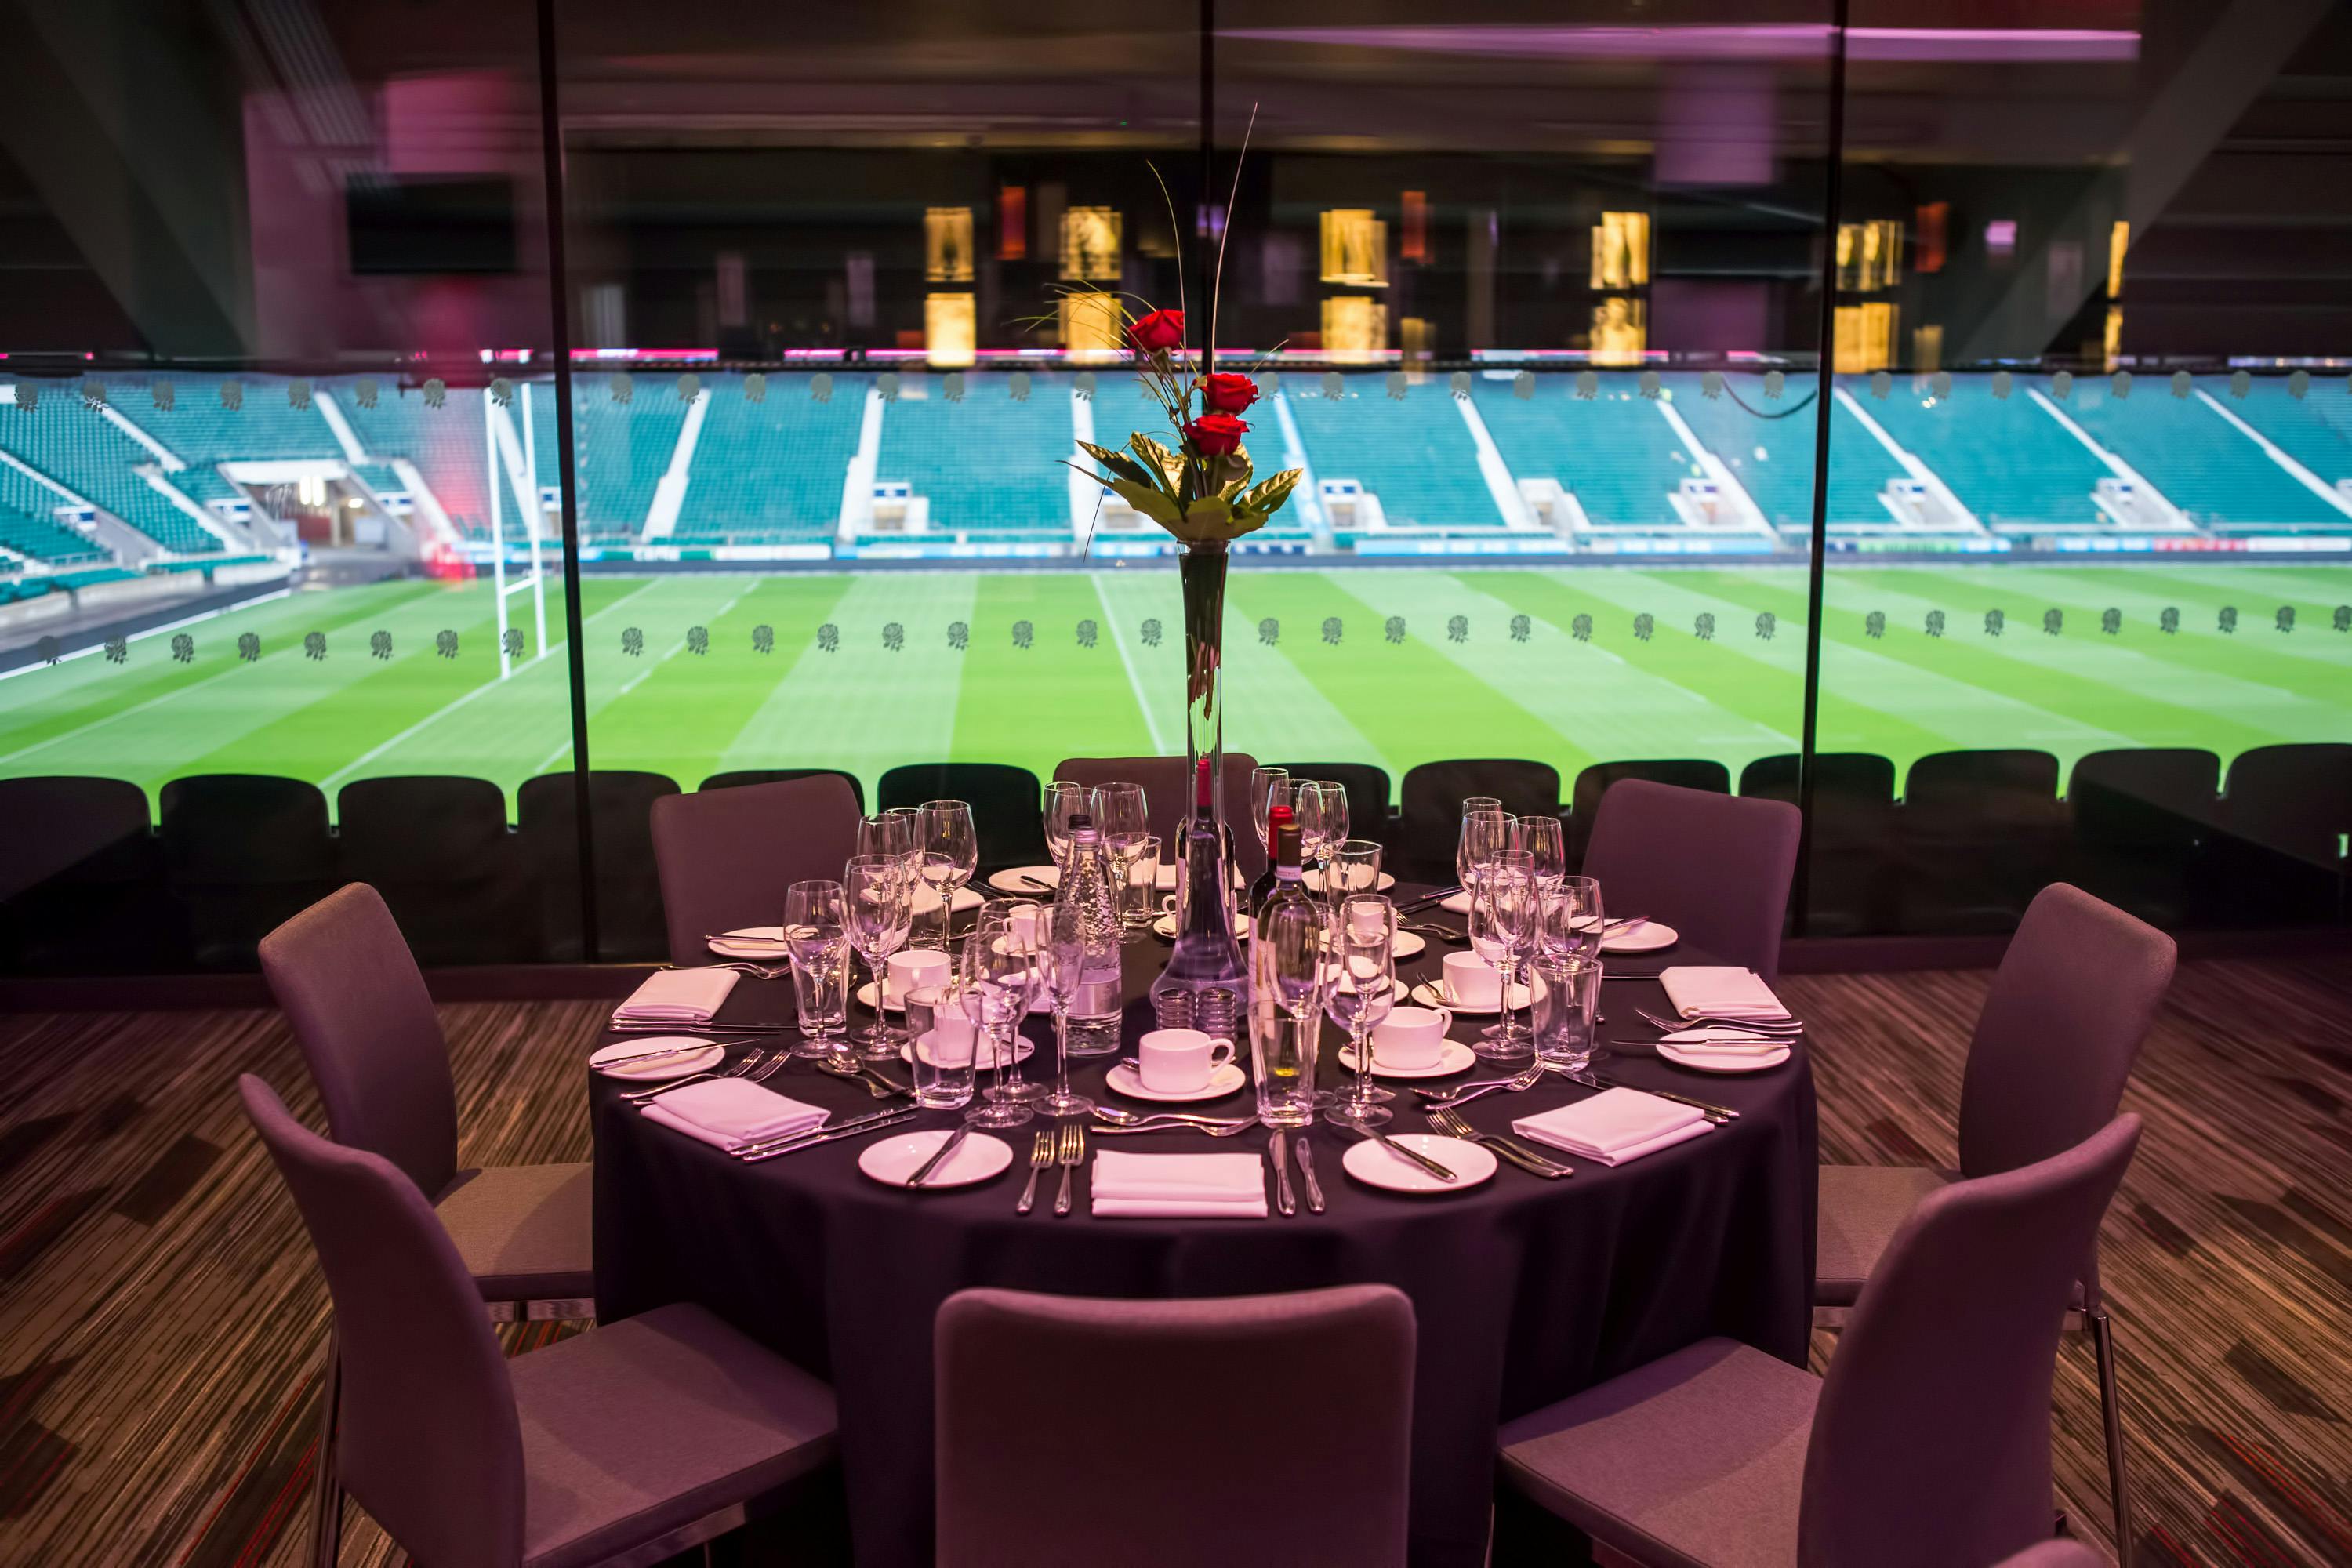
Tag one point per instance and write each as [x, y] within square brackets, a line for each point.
[1361, 991]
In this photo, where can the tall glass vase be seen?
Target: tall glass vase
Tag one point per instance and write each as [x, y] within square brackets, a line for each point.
[1205, 986]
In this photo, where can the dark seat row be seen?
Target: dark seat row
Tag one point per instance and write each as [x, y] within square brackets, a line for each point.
[89, 884]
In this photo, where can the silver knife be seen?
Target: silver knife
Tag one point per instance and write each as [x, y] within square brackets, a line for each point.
[610, 1062]
[1401, 1152]
[940, 1157]
[873, 1119]
[1279, 1147]
[1306, 1170]
[827, 1136]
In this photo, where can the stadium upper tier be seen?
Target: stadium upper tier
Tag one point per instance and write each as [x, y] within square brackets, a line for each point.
[28, 523]
[988, 468]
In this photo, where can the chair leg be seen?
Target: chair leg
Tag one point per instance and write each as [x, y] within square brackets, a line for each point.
[2102, 1343]
[325, 1490]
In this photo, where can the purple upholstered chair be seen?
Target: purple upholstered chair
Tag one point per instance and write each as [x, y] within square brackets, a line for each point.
[1714, 866]
[1168, 796]
[2076, 992]
[1927, 1446]
[726, 855]
[366, 1027]
[624, 1445]
[1124, 1411]
[2056, 1554]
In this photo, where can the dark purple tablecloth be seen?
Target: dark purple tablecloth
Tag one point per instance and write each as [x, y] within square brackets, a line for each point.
[1525, 1291]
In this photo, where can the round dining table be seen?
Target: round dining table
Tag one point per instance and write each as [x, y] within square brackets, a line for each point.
[1525, 1291]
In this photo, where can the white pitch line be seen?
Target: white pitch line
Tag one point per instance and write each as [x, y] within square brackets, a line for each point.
[634, 681]
[194, 620]
[1134, 681]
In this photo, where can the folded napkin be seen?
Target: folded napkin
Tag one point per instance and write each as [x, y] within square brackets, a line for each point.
[1205, 1186]
[1722, 989]
[678, 996]
[725, 1111]
[1615, 1126]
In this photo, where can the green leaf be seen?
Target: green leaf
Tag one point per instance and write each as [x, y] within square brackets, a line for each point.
[1125, 466]
[1149, 500]
[1158, 456]
[1207, 518]
[1267, 498]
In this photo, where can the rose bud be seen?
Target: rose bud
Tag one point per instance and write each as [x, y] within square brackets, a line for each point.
[1215, 435]
[1158, 333]
[1227, 392]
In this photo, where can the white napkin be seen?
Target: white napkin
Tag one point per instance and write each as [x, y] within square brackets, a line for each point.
[1615, 1126]
[1204, 1186]
[1724, 990]
[725, 1111]
[678, 996]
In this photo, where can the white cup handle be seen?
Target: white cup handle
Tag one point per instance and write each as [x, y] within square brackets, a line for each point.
[1446, 1014]
[1216, 1061]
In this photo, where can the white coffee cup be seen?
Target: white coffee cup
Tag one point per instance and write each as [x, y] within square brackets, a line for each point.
[1027, 922]
[903, 972]
[1472, 983]
[1412, 1036]
[1179, 1061]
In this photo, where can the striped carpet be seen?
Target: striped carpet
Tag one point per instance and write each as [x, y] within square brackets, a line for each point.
[160, 1318]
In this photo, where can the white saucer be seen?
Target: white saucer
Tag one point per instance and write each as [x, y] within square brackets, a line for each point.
[1408, 944]
[662, 1069]
[898, 1004]
[1164, 926]
[1227, 1079]
[752, 943]
[1016, 880]
[893, 1160]
[983, 1060]
[1715, 1061]
[1396, 987]
[1646, 938]
[1314, 881]
[1376, 1167]
[1452, 1057]
[1459, 904]
[1428, 995]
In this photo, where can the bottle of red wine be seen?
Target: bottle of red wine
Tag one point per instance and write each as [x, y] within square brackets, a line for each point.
[1263, 888]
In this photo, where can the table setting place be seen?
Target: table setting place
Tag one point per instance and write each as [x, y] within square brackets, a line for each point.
[1265, 971]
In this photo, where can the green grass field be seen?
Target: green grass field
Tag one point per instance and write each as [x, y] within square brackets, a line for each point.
[867, 707]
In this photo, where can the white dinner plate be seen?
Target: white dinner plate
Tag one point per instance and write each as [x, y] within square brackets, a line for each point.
[1019, 879]
[1431, 994]
[661, 1069]
[1452, 1057]
[981, 1061]
[1647, 938]
[893, 1160]
[752, 943]
[1375, 1166]
[1717, 1061]
[1165, 927]
[1314, 881]
[1227, 1079]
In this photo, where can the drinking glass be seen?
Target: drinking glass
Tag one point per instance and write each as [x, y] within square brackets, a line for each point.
[1061, 964]
[1505, 915]
[1286, 972]
[1485, 833]
[1269, 787]
[1119, 813]
[1064, 801]
[942, 1041]
[934, 894]
[1355, 869]
[1572, 919]
[1335, 820]
[1282, 1063]
[1306, 811]
[878, 901]
[997, 975]
[945, 828]
[1565, 1009]
[1541, 838]
[887, 832]
[1361, 991]
[1471, 803]
[816, 934]
[1138, 885]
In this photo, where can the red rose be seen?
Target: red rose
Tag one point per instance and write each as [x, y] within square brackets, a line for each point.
[1158, 333]
[1227, 392]
[1215, 435]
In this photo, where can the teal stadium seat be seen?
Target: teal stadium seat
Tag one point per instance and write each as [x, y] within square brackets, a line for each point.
[1773, 459]
[78, 447]
[1122, 407]
[2315, 429]
[28, 525]
[1416, 456]
[1616, 454]
[989, 466]
[444, 443]
[621, 449]
[2201, 463]
[771, 472]
[200, 431]
[2005, 458]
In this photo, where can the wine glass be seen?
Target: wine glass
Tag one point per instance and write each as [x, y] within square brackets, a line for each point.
[1064, 801]
[1355, 869]
[1573, 919]
[1360, 993]
[1119, 811]
[887, 832]
[998, 976]
[949, 844]
[1471, 803]
[1333, 809]
[1504, 916]
[1306, 812]
[1269, 787]
[1485, 835]
[1541, 838]
[1061, 964]
[879, 904]
[817, 936]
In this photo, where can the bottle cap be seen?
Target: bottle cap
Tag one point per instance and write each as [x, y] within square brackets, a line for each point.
[1286, 844]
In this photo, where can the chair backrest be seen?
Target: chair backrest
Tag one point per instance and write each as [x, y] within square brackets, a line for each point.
[740, 777]
[2077, 989]
[438, 849]
[1368, 795]
[1592, 784]
[1165, 1471]
[1430, 797]
[367, 1027]
[1930, 1443]
[1715, 867]
[1004, 799]
[1984, 785]
[1168, 796]
[726, 855]
[2296, 798]
[91, 830]
[629, 923]
[430, 1443]
[2055, 1553]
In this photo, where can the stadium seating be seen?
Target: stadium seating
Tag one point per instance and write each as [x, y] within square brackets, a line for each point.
[630, 924]
[2009, 462]
[2139, 818]
[76, 446]
[83, 894]
[199, 429]
[770, 471]
[1981, 833]
[988, 466]
[244, 852]
[1849, 872]
[2209, 469]
[621, 450]
[2315, 429]
[444, 443]
[439, 851]
[1416, 455]
[742, 777]
[27, 524]
[1429, 806]
[1368, 795]
[1772, 457]
[1615, 453]
[1592, 782]
[1004, 805]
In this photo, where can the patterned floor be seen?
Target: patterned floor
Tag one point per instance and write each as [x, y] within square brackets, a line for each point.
[161, 1319]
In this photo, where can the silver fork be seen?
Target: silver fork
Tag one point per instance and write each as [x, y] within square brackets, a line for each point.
[879, 1088]
[749, 1061]
[1723, 1021]
[1463, 1093]
[1455, 1125]
[1041, 1154]
[756, 971]
[1073, 1153]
